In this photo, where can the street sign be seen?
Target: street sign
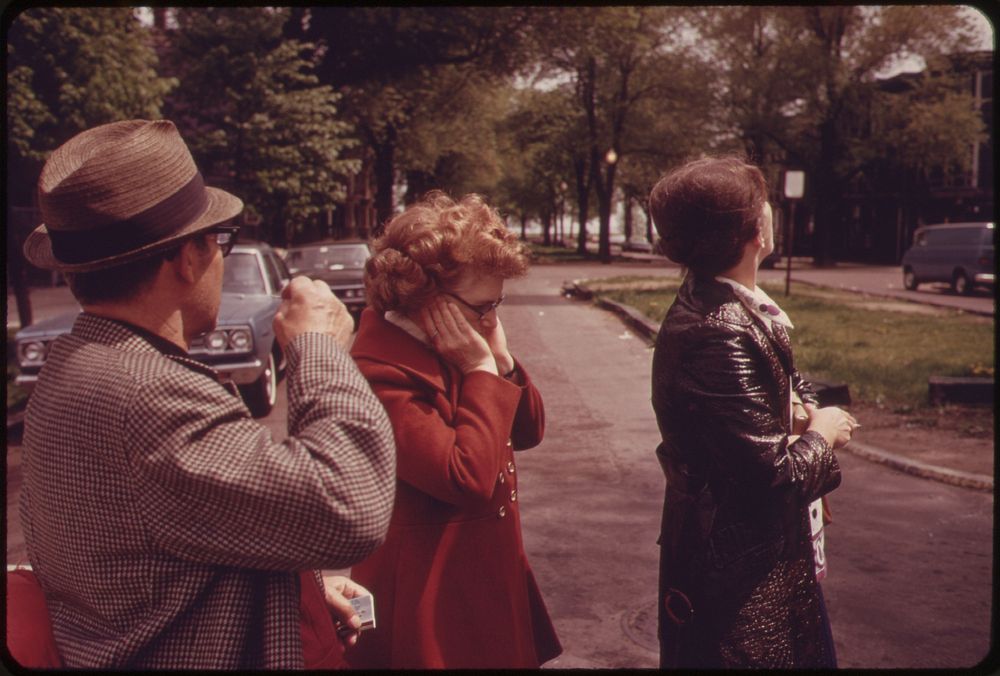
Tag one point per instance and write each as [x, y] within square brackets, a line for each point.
[795, 184]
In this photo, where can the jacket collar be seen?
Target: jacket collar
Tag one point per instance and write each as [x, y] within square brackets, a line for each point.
[716, 300]
[382, 341]
[713, 299]
[129, 338]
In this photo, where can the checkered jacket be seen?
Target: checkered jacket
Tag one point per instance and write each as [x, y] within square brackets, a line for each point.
[166, 525]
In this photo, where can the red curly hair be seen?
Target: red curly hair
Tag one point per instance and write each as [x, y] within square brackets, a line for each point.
[433, 242]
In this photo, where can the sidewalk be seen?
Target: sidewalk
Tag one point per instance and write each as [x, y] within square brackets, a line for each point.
[647, 329]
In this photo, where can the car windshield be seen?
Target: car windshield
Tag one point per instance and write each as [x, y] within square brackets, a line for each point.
[242, 274]
[334, 257]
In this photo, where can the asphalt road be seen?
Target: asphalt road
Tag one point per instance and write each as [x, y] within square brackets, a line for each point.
[877, 280]
[910, 582]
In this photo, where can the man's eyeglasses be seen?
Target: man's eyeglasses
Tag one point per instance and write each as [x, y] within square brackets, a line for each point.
[481, 310]
[225, 237]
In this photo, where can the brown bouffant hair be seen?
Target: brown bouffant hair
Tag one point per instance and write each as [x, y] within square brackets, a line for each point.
[433, 242]
[706, 211]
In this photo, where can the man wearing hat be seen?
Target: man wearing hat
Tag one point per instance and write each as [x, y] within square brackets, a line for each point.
[166, 527]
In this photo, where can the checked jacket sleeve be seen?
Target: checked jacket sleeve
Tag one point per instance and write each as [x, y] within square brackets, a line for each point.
[214, 487]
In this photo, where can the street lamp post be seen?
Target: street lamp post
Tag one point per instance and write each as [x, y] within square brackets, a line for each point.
[560, 228]
[795, 183]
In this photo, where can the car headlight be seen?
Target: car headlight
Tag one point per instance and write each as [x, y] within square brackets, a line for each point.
[32, 352]
[241, 340]
[216, 341]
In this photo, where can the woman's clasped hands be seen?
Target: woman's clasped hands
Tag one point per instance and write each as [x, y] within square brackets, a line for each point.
[835, 424]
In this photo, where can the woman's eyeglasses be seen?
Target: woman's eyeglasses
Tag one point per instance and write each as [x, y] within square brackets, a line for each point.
[225, 237]
[481, 310]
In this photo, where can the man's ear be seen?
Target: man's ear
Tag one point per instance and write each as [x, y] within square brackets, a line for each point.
[186, 262]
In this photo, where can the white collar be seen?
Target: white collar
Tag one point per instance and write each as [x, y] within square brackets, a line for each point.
[407, 324]
[758, 303]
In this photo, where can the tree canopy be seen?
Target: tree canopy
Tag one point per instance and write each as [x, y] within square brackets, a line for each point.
[254, 113]
[294, 108]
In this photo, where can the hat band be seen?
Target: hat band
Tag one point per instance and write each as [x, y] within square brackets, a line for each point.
[147, 227]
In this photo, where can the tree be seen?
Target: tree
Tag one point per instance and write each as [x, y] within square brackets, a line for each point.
[537, 151]
[796, 81]
[450, 141]
[255, 115]
[391, 62]
[69, 69]
[618, 59]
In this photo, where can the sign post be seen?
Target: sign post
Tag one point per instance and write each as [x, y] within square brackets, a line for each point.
[795, 188]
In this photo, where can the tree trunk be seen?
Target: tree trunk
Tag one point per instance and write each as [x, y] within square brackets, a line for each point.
[547, 229]
[583, 205]
[826, 195]
[417, 185]
[627, 222]
[17, 267]
[385, 176]
[605, 190]
[524, 227]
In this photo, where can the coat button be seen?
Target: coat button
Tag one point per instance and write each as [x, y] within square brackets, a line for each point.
[510, 466]
[501, 478]
[509, 443]
[502, 512]
[513, 495]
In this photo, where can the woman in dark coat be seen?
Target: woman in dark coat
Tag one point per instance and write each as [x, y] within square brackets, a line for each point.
[738, 579]
[452, 585]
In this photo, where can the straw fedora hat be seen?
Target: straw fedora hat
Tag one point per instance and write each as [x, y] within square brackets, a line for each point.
[119, 192]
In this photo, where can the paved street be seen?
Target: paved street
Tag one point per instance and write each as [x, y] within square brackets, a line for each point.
[910, 559]
[877, 280]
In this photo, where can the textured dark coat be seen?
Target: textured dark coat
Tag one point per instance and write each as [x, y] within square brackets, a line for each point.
[452, 584]
[735, 530]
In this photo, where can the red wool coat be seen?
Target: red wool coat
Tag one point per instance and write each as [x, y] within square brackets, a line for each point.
[452, 585]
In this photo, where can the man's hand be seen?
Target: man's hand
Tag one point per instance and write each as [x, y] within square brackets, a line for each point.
[308, 306]
[339, 590]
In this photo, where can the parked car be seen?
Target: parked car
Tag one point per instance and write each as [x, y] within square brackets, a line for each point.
[341, 264]
[638, 244]
[242, 345]
[958, 253]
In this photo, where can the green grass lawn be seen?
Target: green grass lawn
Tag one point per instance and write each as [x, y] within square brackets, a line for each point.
[559, 254]
[884, 355]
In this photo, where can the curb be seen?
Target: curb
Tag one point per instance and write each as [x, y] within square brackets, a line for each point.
[648, 330]
[887, 296]
[920, 469]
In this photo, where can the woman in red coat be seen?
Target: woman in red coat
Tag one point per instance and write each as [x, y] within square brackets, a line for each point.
[452, 585]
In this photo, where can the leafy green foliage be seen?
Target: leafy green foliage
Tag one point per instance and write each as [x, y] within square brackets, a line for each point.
[799, 85]
[74, 68]
[638, 89]
[254, 113]
[419, 85]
